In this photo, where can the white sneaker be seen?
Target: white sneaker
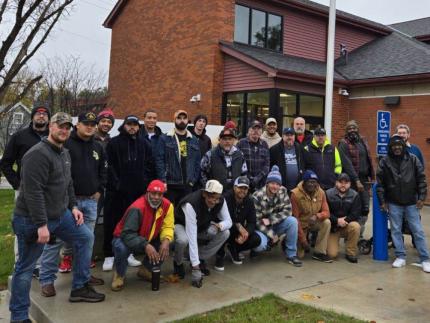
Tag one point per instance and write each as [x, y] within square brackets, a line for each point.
[133, 262]
[426, 266]
[399, 263]
[108, 264]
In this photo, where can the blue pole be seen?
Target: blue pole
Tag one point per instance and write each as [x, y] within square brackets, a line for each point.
[380, 230]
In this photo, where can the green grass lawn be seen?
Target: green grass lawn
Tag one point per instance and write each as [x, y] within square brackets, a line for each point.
[269, 308]
[6, 236]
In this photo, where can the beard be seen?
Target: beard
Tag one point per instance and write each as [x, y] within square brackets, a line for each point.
[180, 125]
[40, 124]
[155, 204]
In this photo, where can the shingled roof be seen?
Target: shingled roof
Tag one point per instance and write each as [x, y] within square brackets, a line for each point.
[414, 28]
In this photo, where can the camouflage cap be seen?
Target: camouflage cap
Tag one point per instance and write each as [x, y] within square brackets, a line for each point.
[61, 118]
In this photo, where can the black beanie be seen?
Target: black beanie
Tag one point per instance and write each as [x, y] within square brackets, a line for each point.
[36, 108]
[200, 116]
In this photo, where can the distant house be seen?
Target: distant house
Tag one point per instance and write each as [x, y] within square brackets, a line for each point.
[13, 120]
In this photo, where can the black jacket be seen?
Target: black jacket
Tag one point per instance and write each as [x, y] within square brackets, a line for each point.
[402, 182]
[348, 206]
[89, 165]
[129, 164]
[243, 213]
[18, 145]
[307, 140]
[46, 189]
[277, 157]
[155, 143]
[205, 143]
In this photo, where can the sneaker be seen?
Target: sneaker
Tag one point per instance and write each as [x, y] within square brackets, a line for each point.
[219, 263]
[48, 290]
[234, 255]
[351, 259]
[253, 254]
[36, 272]
[203, 268]
[66, 265]
[178, 270]
[117, 282]
[144, 274]
[94, 281]
[93, 264]
[86, 294]
[321, 257]
[241, 256]
[426, 266]
[399, 263]
[133, 262]
[108, 264]
[295, 261]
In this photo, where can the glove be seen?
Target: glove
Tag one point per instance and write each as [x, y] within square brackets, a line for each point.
[196, 278]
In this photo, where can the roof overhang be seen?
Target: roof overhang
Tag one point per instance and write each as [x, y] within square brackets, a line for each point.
[400, 79]
[423, 38]
[116, 11]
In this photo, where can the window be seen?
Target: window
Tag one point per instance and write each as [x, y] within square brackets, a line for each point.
[257, 28]
[18, 118]
[310, 107]
[257, 106]
[235, 109]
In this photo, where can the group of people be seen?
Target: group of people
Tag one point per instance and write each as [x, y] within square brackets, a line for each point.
[177, 192]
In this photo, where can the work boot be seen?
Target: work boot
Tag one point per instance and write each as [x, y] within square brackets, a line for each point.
[48, 290]
[179, 270]
[94, 281]
[117, 282]
[351, 259]
[86, 294]
[144, 274]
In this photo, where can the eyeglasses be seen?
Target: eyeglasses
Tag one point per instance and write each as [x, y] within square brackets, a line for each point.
[41, 113]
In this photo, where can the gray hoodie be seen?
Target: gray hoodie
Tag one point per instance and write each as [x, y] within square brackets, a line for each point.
[46, 189]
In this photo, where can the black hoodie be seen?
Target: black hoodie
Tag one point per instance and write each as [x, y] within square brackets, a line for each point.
[205, 143]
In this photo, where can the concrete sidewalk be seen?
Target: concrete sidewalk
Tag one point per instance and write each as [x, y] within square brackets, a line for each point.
[368, 290]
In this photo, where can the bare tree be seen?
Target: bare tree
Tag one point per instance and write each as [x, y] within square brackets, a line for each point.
[31, 21]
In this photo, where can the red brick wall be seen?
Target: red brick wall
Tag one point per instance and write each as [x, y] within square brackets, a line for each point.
[341, 105]
[164, 52]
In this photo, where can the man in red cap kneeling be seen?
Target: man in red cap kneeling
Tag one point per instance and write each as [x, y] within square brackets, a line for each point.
[147, 227]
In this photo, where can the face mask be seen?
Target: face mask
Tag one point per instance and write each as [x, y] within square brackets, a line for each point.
[353, 136]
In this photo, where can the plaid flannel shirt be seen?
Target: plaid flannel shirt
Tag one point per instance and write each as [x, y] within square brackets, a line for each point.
[276, 209]
[257, 158]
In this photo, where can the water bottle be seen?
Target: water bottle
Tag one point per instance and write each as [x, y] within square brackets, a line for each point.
[156, 272]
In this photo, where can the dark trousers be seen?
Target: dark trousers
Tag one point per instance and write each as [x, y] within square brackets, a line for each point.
[253, 241]
[175, 193]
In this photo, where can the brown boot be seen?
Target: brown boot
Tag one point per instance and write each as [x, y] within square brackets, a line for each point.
[94, 281]
[48, 290]
[117, 282]
[144, 273]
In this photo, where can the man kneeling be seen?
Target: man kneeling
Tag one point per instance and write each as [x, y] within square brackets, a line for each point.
[146, 227]
[345, 211]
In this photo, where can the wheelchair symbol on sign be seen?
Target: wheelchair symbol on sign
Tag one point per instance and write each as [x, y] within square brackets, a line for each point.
[383, 123]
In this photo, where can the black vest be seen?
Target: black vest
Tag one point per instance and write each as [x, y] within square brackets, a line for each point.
[203, 214]
[219, 170]
[322, 163]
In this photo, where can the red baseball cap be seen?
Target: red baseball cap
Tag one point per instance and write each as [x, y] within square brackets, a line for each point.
[156, 186]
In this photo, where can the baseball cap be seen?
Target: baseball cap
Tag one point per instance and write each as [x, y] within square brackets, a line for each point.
[131, 118]
[156, 186]
[213, 186]
[343, 177]
[61, 118]
[179, 112]
[320, 131]
[230, 125]
[270, 120]
[241, 181]
[227, 132]
[288, 131]
[87, 117]
[255, 124]
[309, 174]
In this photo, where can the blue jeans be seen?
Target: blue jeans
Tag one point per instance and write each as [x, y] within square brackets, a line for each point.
[121, 253]
[64, 228]
[289, 227]
[412, 214]
[49, 260]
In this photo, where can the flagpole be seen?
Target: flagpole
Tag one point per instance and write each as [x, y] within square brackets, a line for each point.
[330, 69]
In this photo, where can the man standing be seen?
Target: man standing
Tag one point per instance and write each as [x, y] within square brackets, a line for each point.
[310, 207]
[46, 207]
[225, 162]
[303, 136]
[178, 160]
[274, 217]
[129, 159]
[199, 130]
[105, 122]
[202, 223]
[354, 147]
[153, 134]
[146, 227]
[288, 156]
[402, 190]
[323, 158]
[256, 153]
[89, 171]
[270, 135]
[345, 210]
[404, 132]
[242, 233]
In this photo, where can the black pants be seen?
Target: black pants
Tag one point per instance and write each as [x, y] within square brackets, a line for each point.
[252, 242]
[175, 193]
[364, 196]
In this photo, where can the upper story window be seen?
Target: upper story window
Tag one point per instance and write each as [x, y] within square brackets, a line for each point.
[257, 28]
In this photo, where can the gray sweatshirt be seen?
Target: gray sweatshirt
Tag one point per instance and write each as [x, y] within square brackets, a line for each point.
[46, 189]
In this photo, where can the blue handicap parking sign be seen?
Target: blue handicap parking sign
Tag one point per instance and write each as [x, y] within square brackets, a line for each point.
[383, 127]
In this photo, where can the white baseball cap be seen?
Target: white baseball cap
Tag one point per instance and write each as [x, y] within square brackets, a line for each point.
[213, 186]
[269, 120]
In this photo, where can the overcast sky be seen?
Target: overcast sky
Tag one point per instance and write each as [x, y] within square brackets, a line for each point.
[82, 33]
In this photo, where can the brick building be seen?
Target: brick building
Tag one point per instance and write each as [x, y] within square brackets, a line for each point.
[251, 59]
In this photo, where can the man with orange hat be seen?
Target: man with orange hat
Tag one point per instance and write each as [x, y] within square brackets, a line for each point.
[147, 227]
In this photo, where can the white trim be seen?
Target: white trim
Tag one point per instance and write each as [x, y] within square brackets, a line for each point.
[384, 96]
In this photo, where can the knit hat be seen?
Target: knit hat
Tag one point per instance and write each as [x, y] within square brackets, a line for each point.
[200, 116]
[351, 123]
[309, 174]
[40, 108]
[230, 125]
[156, 186]
[106, 114]
[274, 176]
